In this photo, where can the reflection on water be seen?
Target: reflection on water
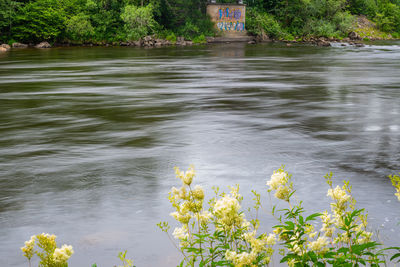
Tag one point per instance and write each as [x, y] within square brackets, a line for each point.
[89, 136]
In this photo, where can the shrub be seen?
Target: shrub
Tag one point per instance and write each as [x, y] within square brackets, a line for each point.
[79, 28]
[139, 21]
[262, 23]
[201, 39]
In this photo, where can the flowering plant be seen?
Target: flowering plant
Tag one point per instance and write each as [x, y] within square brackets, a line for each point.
[222, 236]
[343, 239]
[50, 255]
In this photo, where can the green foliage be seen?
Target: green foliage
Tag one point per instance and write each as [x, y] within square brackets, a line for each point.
[388, 19]
[41, 20]
[8, 10]
[364, 7]
[201, 39]
[121, 20]
[139, 21]
[261, 23]
[125, 262]
[79, 28]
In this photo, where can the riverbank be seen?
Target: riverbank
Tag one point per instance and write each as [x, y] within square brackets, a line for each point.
[354, 38]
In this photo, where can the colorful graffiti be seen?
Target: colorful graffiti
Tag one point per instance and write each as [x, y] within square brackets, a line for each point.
[230, 26]
[234, 14]
[228, 18]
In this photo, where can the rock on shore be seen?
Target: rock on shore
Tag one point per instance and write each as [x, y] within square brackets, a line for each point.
[4, 48]
[19, 45]
[43, 45]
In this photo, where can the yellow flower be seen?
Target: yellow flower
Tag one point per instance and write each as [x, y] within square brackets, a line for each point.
[319, 245]
[28, 248]
[198, 192]
[61, 255]
[283, 193]
[181, 233]
[277, 179]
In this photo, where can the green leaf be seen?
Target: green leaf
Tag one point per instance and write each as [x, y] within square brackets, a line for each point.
[395, 256]
[313, 216]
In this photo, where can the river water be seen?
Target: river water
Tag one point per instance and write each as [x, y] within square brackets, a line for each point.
[89, 137]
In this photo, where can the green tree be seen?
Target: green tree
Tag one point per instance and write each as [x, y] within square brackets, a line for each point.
[139, 21]
[41, 20]
[79, 28]
[8, 9]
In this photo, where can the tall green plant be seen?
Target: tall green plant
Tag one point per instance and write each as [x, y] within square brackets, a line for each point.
[139, 21]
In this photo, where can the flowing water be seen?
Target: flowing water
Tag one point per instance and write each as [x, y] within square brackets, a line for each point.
[89, 137]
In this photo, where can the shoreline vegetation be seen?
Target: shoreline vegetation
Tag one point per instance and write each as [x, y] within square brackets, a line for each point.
[220, 231]
[156, 23]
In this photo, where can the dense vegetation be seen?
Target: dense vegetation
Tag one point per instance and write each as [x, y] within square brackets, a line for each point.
[80, 21]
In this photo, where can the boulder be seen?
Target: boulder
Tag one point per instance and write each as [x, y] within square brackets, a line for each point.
[19, 45]
[2, 49]
[354, 36]
[6, 47]
[43, 45]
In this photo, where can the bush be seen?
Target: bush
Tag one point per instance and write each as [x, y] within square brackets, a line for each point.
[262, 23]
[79, 28]
[201, 39]
[139, 21]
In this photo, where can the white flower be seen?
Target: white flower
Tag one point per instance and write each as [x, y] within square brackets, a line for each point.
[198, 192]
[319, 245]
[181, 233]
[227, 210]
[63, 254]
[339, 195]
[277, 179]
[271, 240]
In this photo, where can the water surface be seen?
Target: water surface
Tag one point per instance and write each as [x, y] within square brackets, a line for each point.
[89, 137]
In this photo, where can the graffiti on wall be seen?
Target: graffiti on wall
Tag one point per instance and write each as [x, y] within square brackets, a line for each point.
[230, 26]
[230, 14]
[230, 19]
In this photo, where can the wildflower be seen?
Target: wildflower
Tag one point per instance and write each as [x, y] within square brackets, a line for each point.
[182, 218]
[61, 255]
[271, 240]
[28, 248]
[181, 233]
[283, 193]
[241, 259]
[319, 245]
[277, 179]
[205, 217]
[186, 177]
[227, 210]
[339, 195]
[198, 192]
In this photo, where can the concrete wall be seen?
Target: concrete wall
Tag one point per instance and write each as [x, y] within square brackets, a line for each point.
[229, 19]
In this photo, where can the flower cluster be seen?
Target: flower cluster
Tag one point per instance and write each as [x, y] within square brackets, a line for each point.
[280, 182]
[222, 229]
[61, 255]
[28, 248]
[49, 254]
